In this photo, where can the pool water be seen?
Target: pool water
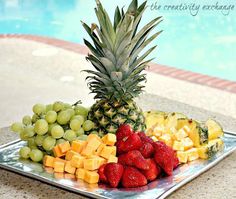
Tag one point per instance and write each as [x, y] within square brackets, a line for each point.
[195, 38]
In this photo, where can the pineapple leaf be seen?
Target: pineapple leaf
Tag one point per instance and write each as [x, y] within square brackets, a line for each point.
[108, 64]
[117, 17]
[133, 7]
[97, 64]
[92, 49]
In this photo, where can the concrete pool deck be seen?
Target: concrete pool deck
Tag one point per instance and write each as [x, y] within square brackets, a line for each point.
[32, 72]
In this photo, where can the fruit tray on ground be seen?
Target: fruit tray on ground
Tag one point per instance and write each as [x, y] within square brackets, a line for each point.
[160, 188]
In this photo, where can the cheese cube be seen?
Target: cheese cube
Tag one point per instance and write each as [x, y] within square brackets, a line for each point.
[157, 131]
[178, 146]
[94, 143]
[70, 154]
[110, 139]
[104, 138]
[154, 138]
[88, 150]
[78, 145]
[192, 154]
[91, 164]
[80, 173]
[113, 151]
[49, 169]
[182, 156]
[48, 161]
[187, 143]
[64, 147]
[99, 150]
[59, 175]
[166, 138]
[91, 136]
[180, 134]
[77, 161]
[60, 160]
[101, 161]
[69, 176]
[107, 151]
[59, 166]
[112, 158]
[91, 177]
[57, 151]
[69, 168]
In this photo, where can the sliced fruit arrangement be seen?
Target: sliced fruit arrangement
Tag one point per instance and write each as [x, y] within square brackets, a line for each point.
[190, 138]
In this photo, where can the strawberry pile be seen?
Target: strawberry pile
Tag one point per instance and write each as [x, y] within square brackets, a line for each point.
[140, 160]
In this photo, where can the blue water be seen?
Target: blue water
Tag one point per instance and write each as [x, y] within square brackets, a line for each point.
[194, 39]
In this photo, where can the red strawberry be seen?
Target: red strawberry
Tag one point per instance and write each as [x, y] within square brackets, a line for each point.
[102, 176]
[176, 161]
[132, 177]
[123, 132]
[120, 147]
[145, 138]
[147, 150]
[133, 142]
[153, 171]
[133, 158]
[113, 173]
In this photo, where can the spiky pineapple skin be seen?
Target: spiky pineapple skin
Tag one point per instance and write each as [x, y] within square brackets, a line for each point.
[108, 116]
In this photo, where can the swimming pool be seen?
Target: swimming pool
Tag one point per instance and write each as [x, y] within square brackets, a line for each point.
[197, 37]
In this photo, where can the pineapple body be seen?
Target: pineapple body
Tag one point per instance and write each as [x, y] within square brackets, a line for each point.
[108, 116]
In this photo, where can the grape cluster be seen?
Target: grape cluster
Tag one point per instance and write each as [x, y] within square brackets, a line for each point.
[51, 125]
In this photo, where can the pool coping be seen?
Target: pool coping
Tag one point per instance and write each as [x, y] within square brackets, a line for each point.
[169, 71]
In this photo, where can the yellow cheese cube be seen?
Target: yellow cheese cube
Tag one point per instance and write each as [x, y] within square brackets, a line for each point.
[104, 139]
[70, 154]
[107, 151]
[99, 150]
[87, 151]
[78, 145]
[112, 158]
[94, 143]
[182, 156]
[59, 166]
[187, 143]
[60, 160]
[64, 147]
[101, 161]
[69, 168]
[80, 173]
[158, 130]
[91, 177]
[57, 151]
[59, 175]
[77, 161]
[91, 164]
[113, 151]
[48, 161]
[166, 138]
[178, 146]
[192, 154]
[91, 136]
[110, 139]
[180, 134]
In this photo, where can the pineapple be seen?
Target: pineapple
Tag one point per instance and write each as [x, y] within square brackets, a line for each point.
[118, 76]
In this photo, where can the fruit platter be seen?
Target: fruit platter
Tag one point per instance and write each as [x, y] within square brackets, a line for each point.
[114, 149]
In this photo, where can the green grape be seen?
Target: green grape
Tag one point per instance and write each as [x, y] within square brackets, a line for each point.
[60, 141]
[39, 140]
[57, 131]
[17, 127]
[36, 155]
[26, 120]
[29, 131]
[51, 116]
[50, 126]
[31, 143]
[69, 135]
[71, 112]
[80, 132]
[83, 137]
[58, 106]
[35, 118]
[80, 118]
[75, 124]
[80, 110]
[67, 106]
[25, 152]
[39, 109]
[23, 136]
[88, 125]
[41, 127]
[49, 107]
[63, 117]
[94, 132]
[48, 143]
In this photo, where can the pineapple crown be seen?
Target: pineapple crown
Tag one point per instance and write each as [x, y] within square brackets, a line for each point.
[115, 52]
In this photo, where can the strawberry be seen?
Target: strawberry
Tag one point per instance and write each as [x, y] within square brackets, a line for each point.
[102, 176]
[132, 177]
[133, 158]
[120, 147]
[176, 161]
[153, 171]
[133, 142]
[113, 173]
[147, 150]
[123, 132]
[145, 138]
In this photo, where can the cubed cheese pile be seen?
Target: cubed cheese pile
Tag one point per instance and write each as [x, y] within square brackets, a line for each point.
[83, 158]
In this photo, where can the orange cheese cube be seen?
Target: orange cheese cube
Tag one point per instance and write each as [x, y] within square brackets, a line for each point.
[99, 150]
[69, 176]
[78, 145]
[69, 168]
[94, 143]
[70, 154]
[60, 160]
[112, 158]
[91, 177]
[91, 164]
[104, 139]
[107, 151]
[110, 139]
[80, 173]
[59, 175]
[48, 161]
[91, 136]
[64, 147]
[88, 150]
[77, 161]
[59, 166]
[57, 151]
